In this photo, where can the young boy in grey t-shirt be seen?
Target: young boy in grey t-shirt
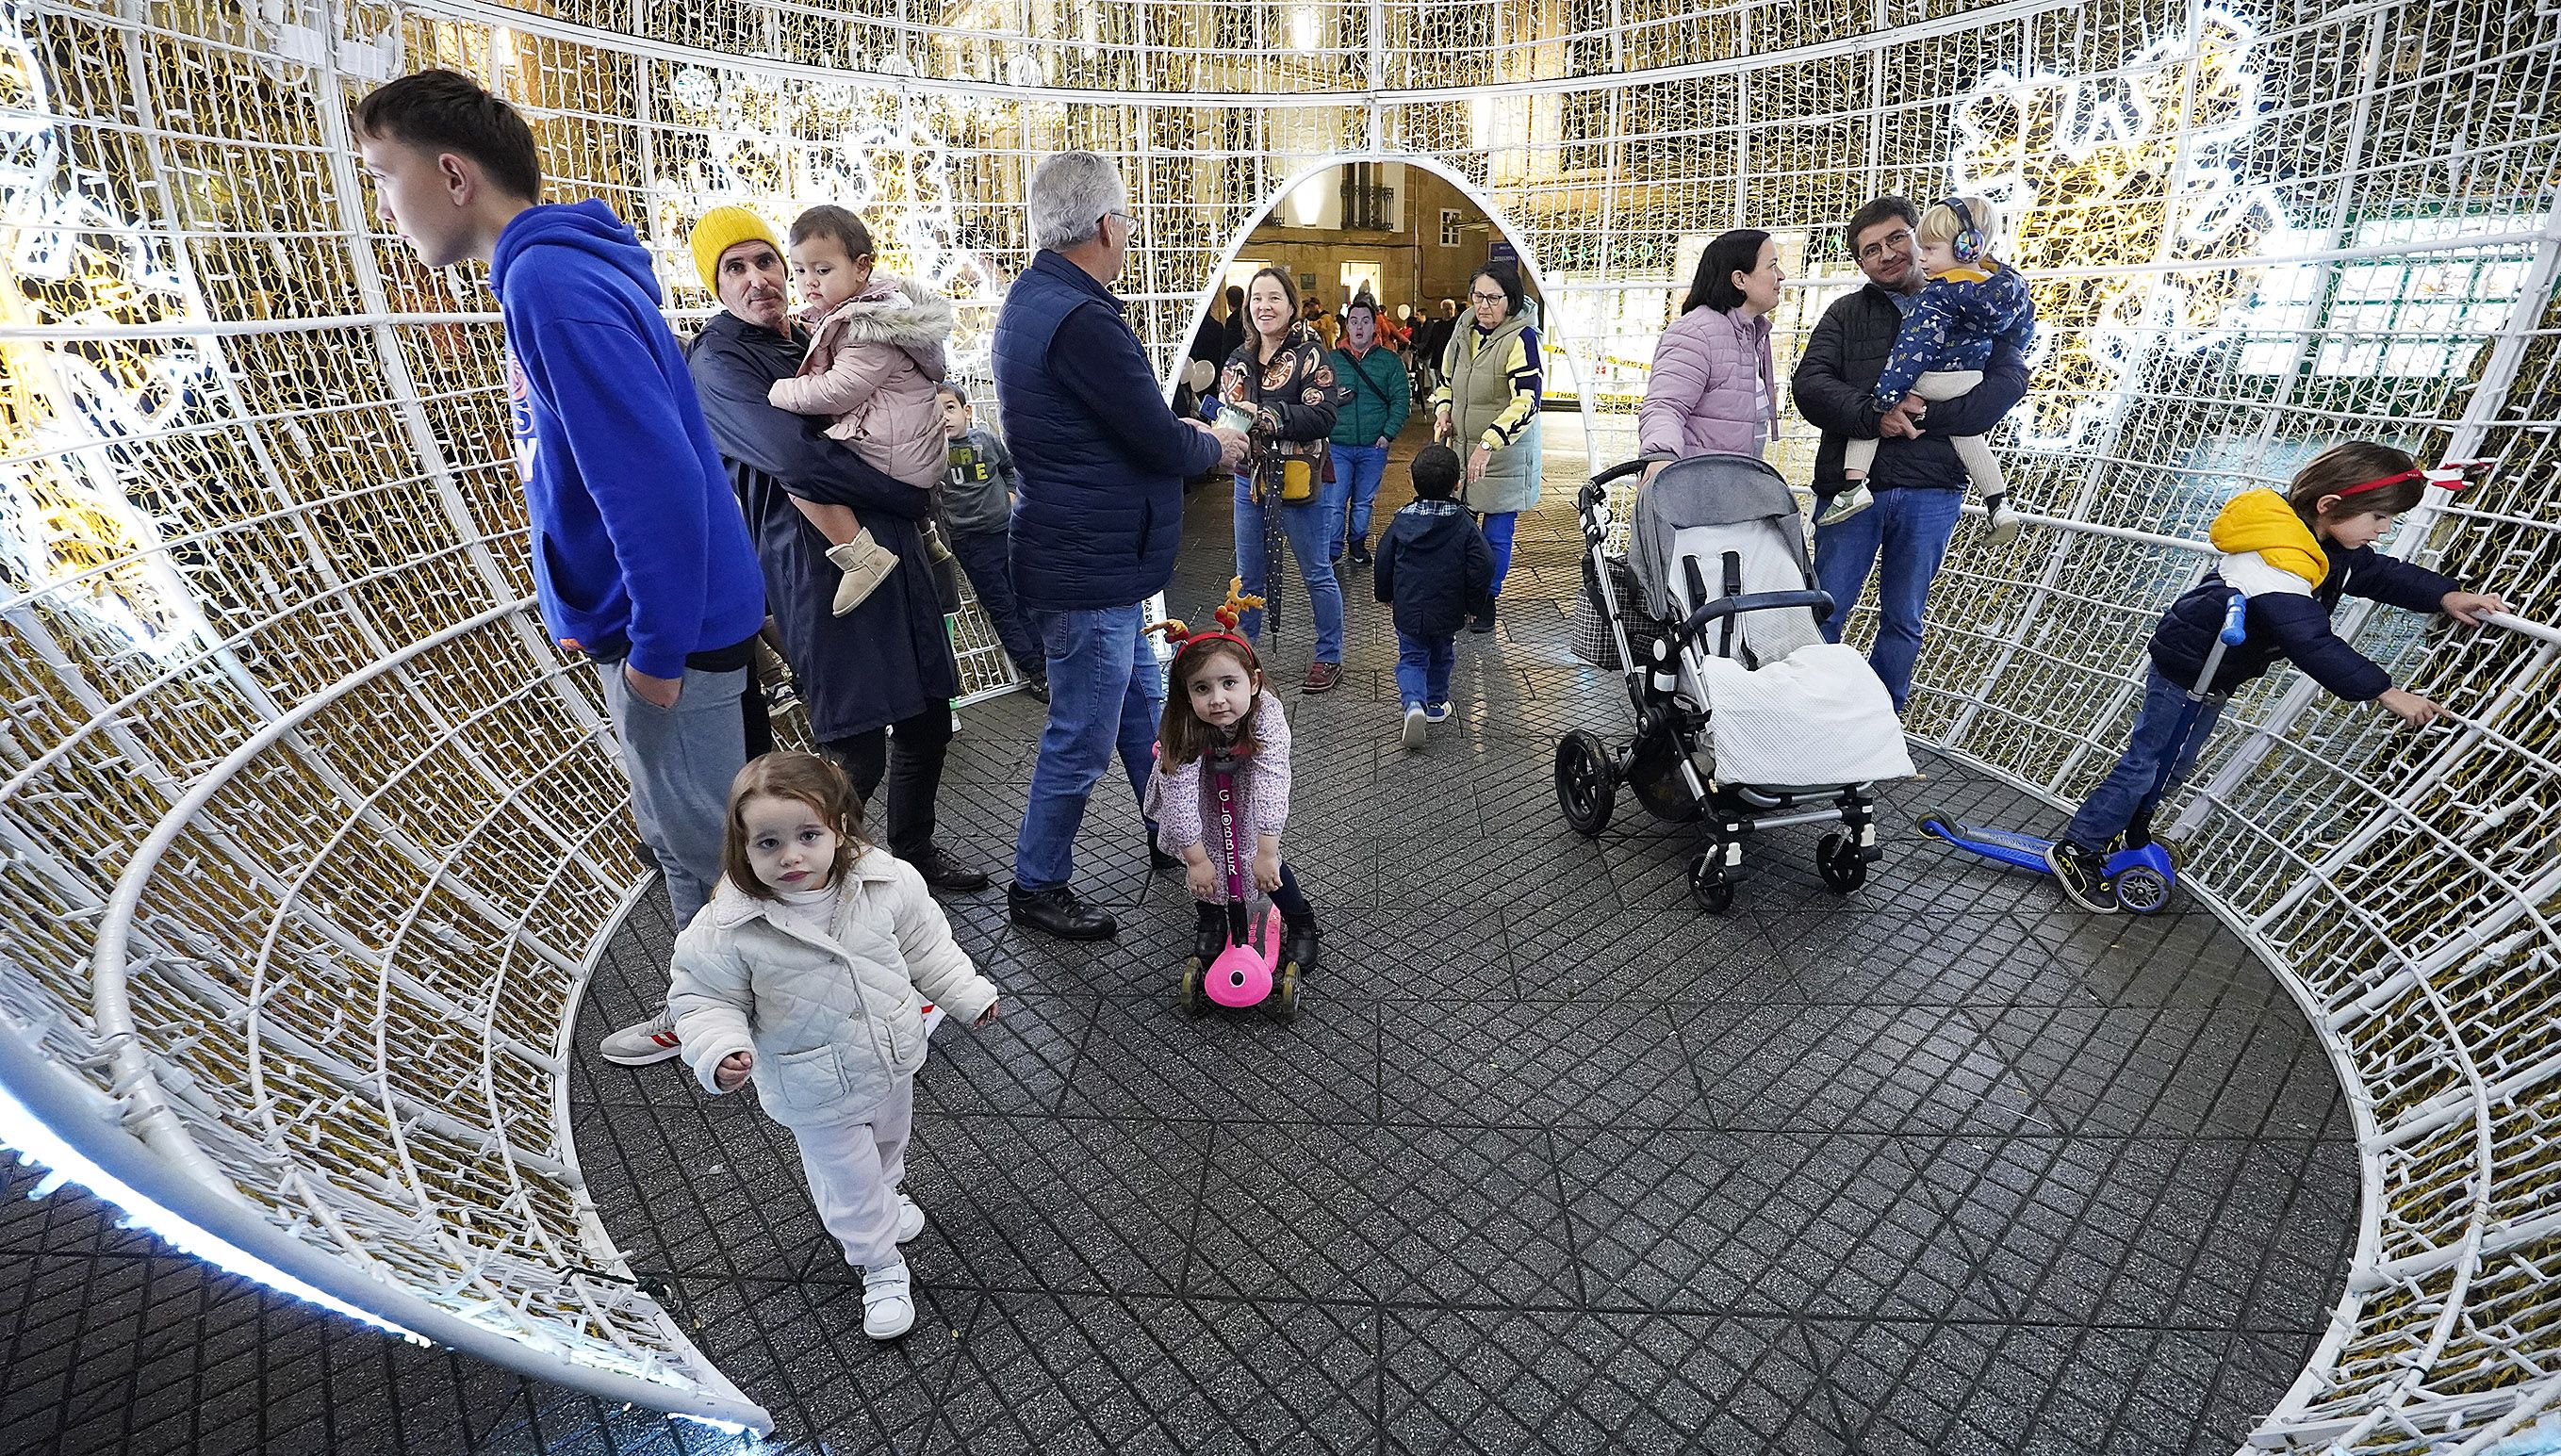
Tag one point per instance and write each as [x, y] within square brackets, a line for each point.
[978, 500]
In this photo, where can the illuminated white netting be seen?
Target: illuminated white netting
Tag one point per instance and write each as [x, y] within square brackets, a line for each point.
[308, 837]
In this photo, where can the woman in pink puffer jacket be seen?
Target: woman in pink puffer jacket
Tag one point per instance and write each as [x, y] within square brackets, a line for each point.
[1712, 387]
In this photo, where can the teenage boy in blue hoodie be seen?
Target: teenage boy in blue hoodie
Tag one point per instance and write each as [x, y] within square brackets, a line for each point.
[641, 560]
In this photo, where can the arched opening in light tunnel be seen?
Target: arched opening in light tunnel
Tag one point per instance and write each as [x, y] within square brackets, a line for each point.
[1477, 245]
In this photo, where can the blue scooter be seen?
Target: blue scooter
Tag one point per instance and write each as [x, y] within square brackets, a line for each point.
[2140, 871]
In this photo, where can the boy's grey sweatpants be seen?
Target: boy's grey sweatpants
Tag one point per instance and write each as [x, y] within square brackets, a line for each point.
[681, 760]
[854, 1170]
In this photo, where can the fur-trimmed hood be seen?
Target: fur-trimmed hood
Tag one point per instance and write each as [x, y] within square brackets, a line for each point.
[898, 312]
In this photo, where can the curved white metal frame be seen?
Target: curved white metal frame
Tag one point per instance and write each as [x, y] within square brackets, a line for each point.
[357, 595]
[1309, 170]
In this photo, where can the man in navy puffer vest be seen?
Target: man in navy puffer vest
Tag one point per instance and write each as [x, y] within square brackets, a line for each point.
[1101, 463]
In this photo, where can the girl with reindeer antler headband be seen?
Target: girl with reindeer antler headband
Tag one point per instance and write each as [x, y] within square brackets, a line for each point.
[1220, 795]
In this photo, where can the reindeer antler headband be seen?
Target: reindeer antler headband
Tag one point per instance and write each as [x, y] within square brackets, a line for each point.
[2452, 476]
[1229, 613]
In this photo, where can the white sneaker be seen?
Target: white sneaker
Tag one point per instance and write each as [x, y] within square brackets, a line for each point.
[2003, 522]
[1416, 724]
[889, 1311]
[910, 1220]
[1435, 713]
[1846, 505]
[651, 1041]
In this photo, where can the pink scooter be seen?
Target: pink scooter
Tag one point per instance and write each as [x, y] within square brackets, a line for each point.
[1249, 971]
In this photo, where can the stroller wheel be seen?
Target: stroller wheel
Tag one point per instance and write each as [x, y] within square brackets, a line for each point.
[1193, 1000]
[1709, 883]
[1587, 782]
[1284, 995]
[2141, 890]
[1839, 861]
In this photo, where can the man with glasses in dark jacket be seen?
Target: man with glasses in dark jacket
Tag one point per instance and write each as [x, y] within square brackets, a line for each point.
[1919, 483]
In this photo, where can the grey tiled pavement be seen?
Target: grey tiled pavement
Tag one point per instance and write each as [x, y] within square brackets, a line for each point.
[1552, 1162]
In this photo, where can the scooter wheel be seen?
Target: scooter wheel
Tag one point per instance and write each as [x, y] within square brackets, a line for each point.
[1587, 782]
[2142, 891]
[1709, 883]
[1935, 822]
[1837, 860]
[1284, 995]
[1194, 1002]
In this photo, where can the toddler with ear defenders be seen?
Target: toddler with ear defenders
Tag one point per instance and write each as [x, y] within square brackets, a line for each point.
[1971, 302]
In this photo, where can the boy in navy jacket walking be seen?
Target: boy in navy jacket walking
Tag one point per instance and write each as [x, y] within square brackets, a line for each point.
[1438, 570]
[641, 560]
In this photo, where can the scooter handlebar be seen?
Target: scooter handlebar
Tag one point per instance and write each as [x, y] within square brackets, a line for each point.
[2236, 629]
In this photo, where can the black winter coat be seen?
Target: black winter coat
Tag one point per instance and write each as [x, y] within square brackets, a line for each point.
[887, 659]
[1835, 389]
[1435, 565]
[2284, 624]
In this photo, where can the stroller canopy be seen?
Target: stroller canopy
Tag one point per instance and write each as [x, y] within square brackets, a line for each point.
[1710, 490]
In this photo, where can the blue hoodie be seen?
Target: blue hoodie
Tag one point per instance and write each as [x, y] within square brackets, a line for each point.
[637, 541]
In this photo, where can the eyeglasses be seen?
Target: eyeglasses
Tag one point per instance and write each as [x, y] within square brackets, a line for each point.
[1894, 238]
[1488, 298]
[1129, 221]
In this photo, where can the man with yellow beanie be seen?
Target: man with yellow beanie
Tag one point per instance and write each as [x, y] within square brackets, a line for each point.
[641, 560]
[721, 230]
[876, 681]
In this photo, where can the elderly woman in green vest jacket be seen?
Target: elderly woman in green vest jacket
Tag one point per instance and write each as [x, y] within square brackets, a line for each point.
[1488, 409]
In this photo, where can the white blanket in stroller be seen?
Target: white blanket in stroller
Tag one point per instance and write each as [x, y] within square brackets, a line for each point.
[1818, 716]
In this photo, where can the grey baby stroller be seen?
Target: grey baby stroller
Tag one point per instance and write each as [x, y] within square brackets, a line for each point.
[1745, 719]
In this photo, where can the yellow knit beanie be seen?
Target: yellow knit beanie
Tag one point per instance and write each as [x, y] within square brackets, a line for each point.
[721, 230]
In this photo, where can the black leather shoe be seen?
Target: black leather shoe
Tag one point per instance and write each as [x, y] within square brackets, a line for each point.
[1359, 553]
[1481, 622]
[1209, 936]
[1300, 941]
[942, 872]
[1057, 912]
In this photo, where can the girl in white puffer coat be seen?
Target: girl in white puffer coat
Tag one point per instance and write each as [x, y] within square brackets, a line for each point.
[803, 975]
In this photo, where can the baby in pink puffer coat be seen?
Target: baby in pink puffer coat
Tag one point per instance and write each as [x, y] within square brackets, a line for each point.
[871, 369]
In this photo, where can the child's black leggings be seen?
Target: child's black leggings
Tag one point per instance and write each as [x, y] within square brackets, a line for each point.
[1291, 900]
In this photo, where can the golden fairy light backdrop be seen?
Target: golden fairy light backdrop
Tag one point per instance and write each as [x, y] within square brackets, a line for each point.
[309, 839]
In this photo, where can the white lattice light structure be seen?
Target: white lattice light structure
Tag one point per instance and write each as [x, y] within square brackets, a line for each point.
[309, 840]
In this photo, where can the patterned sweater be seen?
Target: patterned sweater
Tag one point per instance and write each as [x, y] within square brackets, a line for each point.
[1184, 801]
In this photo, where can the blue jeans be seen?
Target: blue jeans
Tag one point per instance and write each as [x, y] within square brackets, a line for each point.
[1907, 531]
[1311, 542]
[1104, 689]
[1498, 529]
[1357, 471]
[2111, 806]
[1422, 668]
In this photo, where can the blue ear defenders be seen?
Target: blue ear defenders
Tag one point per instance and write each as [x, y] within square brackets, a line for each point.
[1969, 242]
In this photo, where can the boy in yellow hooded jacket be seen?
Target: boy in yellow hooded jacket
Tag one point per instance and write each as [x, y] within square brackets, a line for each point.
[2293, 556]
